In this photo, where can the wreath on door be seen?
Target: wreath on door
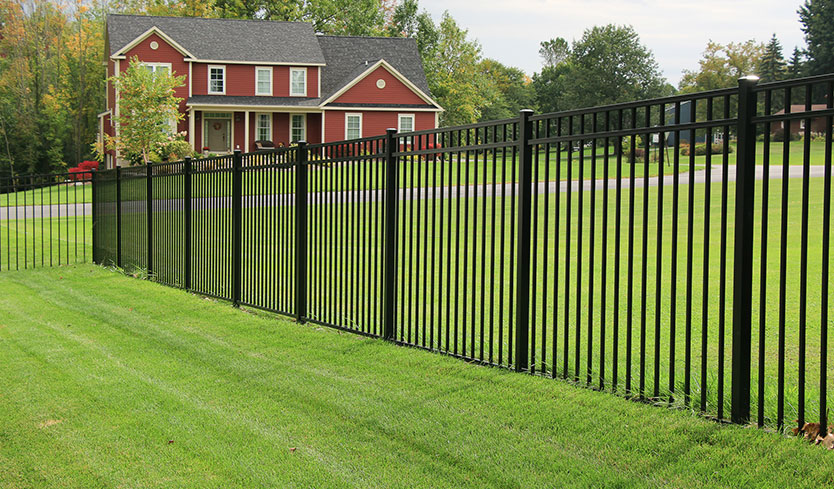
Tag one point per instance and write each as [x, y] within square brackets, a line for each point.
[217, 126]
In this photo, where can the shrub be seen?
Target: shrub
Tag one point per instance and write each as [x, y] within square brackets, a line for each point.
[779, 135]
[701, 149]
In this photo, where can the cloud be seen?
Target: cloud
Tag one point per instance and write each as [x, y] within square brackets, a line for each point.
[677, 32]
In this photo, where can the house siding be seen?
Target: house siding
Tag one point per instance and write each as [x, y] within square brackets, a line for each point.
[374, 123]
[366, 91]
[165, 53]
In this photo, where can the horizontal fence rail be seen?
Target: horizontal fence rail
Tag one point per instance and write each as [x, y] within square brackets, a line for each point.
[673, 250]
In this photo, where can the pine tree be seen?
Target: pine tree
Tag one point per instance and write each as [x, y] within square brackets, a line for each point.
[772, 65]
[817, 18]
[796, 65]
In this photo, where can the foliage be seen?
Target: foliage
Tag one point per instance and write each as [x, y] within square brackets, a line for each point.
[608, 64]
[772, 65]
[779, 135]
[797, 65]
[175, 148]
[817, 19]
[701, 149]
[554, 51]
[147, 108]
[722, 65]
[510, 90]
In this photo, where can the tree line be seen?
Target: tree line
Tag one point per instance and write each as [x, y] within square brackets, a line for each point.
[52, 69]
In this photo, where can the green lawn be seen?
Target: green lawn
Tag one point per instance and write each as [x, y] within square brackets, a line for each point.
[55, 195]
[114, 382]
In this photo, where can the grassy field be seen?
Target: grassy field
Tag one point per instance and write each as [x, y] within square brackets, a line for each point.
[34, 243]
[113, 382]
[55, 195]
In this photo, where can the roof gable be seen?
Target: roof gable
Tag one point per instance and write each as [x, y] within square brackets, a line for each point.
[348, 57]
[231, 40]
[363, 88]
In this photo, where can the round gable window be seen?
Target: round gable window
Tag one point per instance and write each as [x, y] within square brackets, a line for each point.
[154, 45]
[380, 84]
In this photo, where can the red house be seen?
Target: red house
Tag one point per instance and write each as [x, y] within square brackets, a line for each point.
[249, 80]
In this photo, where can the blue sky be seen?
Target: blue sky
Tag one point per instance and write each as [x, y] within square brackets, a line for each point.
[677, 32]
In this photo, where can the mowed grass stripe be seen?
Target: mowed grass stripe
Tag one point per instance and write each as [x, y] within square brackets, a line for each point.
[134, 364]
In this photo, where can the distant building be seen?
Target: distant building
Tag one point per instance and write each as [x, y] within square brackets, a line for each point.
[798, 125]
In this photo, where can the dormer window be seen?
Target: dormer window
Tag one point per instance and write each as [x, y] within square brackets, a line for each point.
[298, 82]
[217, 80]
[263, 80]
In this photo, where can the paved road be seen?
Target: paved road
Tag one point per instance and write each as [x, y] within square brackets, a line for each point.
[351, 196]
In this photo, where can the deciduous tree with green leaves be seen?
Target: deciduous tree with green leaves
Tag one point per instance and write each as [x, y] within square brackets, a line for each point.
[148, 109]
[722, 65]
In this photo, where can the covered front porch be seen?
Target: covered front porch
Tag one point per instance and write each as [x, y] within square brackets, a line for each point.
[221, 130]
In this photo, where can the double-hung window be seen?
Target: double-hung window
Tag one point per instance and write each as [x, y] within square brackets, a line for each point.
[405, 123]
[353, 126]
[157, 68]
[263, 127]
[298, 82]
[297, 128]
[217, 80]
[263, 80]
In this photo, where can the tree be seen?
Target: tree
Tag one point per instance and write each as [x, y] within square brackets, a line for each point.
[721, 66]
[554, 52]
[817, 19]
[796, 66]
[608, 64]
[510, 90]
[147, 110]
[772, 64]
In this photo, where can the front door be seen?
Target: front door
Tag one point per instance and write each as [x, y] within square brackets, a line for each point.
[217, 135]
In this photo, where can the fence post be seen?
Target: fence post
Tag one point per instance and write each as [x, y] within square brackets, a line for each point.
[149, 212]
[237, 205]
[301, 232]
[94, 216]
[186, 207]
[391, 197]
[743, 249]
[119, 216]
[525, 202]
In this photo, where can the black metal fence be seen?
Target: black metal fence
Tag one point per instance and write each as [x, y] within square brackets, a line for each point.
[44, 220]
[629, 248]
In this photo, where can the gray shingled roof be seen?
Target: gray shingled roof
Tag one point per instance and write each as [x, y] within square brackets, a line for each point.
[224, 39]
[346, 58]
[252, 101]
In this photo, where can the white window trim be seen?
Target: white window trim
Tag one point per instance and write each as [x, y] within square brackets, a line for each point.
[294, 70]
[269, 70]
[304, 128]
[257, 126]
[350, 114]
[400, 118]
[208, 79]
[167, 65]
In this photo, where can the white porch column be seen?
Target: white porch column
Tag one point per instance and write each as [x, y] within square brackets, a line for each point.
[191, 115]
[246, 131]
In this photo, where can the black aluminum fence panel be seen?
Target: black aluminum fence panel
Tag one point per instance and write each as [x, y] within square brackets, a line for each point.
[106, 238]
[630, 285]
[134, 184]
[456, 240]
[44, 220]
[790, 287]
[268, 230]
[673, 250]
[168, 223]
[345, 240]
[211, 226]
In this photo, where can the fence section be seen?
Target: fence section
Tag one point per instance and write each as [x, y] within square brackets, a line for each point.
[44, 220]
[673, 250]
